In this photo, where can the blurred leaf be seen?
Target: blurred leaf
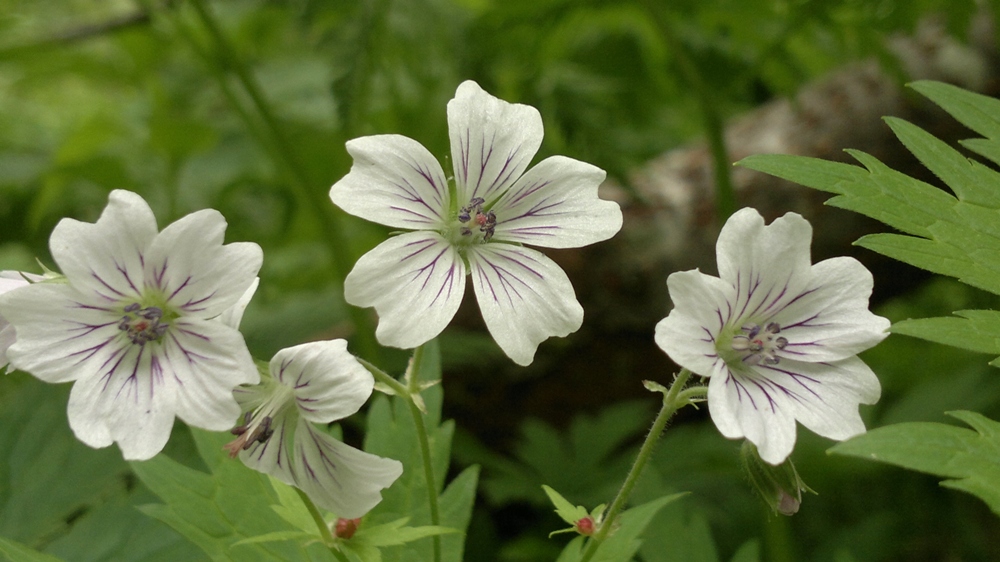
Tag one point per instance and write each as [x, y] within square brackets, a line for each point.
[16, 552]
[680, 537]
[218, 510]
[970, 459]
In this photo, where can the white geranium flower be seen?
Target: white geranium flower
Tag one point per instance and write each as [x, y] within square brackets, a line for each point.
[316, 382]
[134, 323]
[778, 336]
[10, 280]
[475, 224]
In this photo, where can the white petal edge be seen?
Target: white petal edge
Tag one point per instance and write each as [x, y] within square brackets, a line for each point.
[701, 309]
[329, 383]
[233, 316]
[525, 298]
[739, 408]
[197, 273]
[104, 259]
[492, 141]
[394, 181]
[338, 477]
[555, 205]
[415, 281]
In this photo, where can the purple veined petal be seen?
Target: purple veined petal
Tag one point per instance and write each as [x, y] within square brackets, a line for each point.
[492, 141]
[206, 360]
[752, 407]
[9, 281]
[394, 181]
[129, 402]
[824, 397]
[105, 259]
[555, 205]
[233, 315]
[768, 265]
[60, 337]
[338, 477]
[199, 275]
[274, 455]
[415, 281]
[701, 310]
[830, 320]
[328, 382]
[525, 298]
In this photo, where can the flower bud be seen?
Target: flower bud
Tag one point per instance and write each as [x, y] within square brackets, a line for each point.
[345, 528]
[779, 486]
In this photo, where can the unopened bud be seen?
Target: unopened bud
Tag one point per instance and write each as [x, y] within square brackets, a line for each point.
[345, 528]
[585, 526]
[779, 486]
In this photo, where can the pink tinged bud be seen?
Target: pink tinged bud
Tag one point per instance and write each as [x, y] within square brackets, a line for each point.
[585, 526]
[345, 528]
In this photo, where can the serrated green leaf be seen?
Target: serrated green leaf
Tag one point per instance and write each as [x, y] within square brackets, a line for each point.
[975, 330]
[218, 510]
[567, 512]
[279, 536]
[291, 508]
[970, 181]
[16, 552]
[396, 533]
[969, 459]
[976, 111]
[623, 542]
[934, 256]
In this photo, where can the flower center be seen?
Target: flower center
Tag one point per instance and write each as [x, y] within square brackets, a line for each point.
[474, 224]
[259, 422]
[252, 431]
[756, 345]
[143, 325]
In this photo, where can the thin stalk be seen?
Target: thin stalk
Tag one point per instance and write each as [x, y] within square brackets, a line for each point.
[406, 392]
[313, 201]
[672, 402]
[725, 198]
[324, 529]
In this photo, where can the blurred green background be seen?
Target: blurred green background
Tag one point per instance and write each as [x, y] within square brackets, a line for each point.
[245, 105]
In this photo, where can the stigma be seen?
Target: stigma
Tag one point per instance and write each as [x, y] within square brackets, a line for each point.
[143, 325]
[757, 345]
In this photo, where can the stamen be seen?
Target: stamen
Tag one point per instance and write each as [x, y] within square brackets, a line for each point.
[472, 215]
[143, 325]
[759, 346]
[248, 434]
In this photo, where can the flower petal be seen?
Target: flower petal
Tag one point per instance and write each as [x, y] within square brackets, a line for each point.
[206, 360]
[753, 407]
[129, 402]
[701, 308]
[555, 205]
[768, 265]
[338, 477]
[9, 281]
[198, 274]
[274, 455]
[60, 338]
[824, 396]
[105, 259]
[415, 281]
[830, 320]
[492, 141]
[525, 298]
[328, 381]
[233, 315]
[394, 181]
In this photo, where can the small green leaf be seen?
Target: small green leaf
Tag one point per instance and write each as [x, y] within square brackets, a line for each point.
[16, 552]
[969, 459]
[975, 330]
[279, 536]
[396, 533]
[976, 111]
[564, 509]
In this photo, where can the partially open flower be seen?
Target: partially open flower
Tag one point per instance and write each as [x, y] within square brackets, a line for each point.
[316, 382]
[778, 335]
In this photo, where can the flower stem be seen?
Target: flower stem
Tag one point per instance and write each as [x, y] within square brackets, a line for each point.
[273, 137]
[324, 530]
[672, 401]
[407, 392]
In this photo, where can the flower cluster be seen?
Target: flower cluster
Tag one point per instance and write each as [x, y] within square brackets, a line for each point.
[778, 336]
[474, 225]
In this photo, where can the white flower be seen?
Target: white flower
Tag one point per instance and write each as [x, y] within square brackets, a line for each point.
[134, 324]
[777, 335]
[475, 224]
[317, 382]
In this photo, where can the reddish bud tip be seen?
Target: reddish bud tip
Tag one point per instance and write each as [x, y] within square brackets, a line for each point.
[585, 526]
[346, 528]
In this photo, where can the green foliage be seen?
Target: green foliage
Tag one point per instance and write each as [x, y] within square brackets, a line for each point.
[970, 459]
[218, 510]
[16, 552]
[623, 542]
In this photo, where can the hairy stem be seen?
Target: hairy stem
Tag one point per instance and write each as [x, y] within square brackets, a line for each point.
[324, 529]
[672, 401]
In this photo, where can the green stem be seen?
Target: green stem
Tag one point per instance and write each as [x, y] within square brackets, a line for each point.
[324, 529]
[725, 198]
[407, 392]
[672, 401]
[312, 200]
